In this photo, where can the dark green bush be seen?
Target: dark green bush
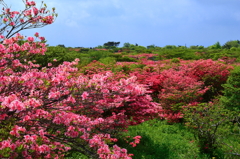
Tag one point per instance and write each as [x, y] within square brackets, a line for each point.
[210, 124]
[231, 97]
[126, 59]
[175, 60]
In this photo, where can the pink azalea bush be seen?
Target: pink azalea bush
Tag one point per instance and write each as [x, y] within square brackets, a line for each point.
[45, 112]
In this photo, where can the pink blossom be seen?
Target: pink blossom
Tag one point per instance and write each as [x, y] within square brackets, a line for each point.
[84, 95]
[5, 20]
[8, 41]
[22, 20]
[5, 144]
[15, 12]
[32, 3]
[2, 47]
[12, 23]
[54, 94]
[16, 129]
[3, 116]
[26, 118]
[36, 34]
[41, 133]
[42, 38]
[30, 39]
[44, 149]
[35, 11]
[7, 10]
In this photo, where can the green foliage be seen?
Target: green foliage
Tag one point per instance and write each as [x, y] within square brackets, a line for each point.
[126, 59]
[84, 50]
[61, 45]
[231, 97]
[96, 55]
[193, 47]
[170, 47]
[126, 45]
[148, 51]
[135, 66]
[75, 155]
[116, 55]
[210, 124]
[230, 44]
[151, 46]
[99, 47]
[61, 54]
[233, 49]
[185, 54]
[108, 60]
[217, 45]
[162, 141]
[140, 50]
[175, 60]
[111, 45]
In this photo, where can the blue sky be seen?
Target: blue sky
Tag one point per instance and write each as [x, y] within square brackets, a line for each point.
[89, 23]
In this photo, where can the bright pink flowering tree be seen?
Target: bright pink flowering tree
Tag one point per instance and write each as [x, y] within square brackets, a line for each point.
[45, 112]
[30, 17]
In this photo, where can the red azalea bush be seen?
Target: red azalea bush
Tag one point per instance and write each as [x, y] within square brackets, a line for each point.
[212, 73]
[152, 79]
[184, 84]
[94, 67]
[173, 89]
[179, 89]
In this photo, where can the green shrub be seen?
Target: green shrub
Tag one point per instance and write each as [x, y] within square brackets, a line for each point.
[233, 49]
[108, 60]
[84, 50]
[148, 51]
[126, 59]
[160, 140]
[96, 55]
[231, 92]
[210, 124]
[116, 55]
[135, 66]
[175, 60]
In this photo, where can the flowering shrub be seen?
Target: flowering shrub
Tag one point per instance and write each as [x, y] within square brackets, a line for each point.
[179, 89]
[30, 17]
[94, 67]
[212, 73]
[47, 111]
[185, 83]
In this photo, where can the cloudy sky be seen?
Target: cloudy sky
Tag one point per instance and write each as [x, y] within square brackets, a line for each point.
[89, 23]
